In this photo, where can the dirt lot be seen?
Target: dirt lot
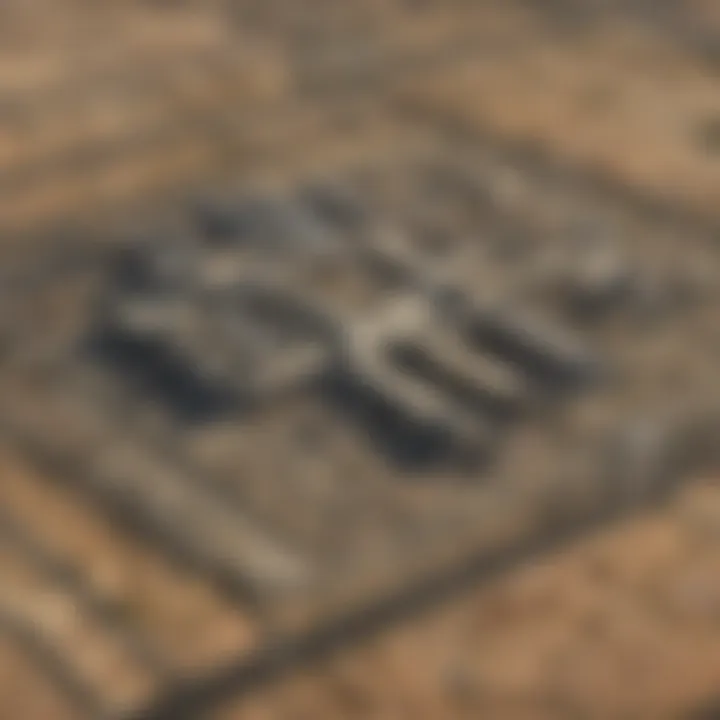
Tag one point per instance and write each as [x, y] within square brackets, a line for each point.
[105, 105]
[624, 624]
[106, 108]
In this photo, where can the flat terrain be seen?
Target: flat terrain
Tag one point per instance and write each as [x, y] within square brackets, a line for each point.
[104, 105]
[109, 110]
[623, 624]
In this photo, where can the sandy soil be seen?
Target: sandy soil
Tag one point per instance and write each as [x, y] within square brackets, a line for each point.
[105, 106]
[624, 624]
